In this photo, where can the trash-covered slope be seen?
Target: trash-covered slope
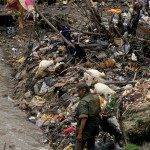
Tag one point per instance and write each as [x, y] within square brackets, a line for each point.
[49, 70]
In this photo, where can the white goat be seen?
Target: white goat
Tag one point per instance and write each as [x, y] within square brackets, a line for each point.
[94, 75]
[101, 88]
[46, 63]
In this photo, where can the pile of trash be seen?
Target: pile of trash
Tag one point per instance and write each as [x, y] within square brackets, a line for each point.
[117, 69]
[48, 75]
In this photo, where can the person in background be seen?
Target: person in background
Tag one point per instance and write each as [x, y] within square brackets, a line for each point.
[87, 115]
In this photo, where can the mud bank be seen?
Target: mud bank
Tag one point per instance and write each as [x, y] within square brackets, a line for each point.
[14, 129]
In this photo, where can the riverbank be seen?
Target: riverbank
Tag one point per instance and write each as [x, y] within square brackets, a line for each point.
[15, 130]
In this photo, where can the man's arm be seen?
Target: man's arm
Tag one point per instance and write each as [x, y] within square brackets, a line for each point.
[83, 116]
[82, 126]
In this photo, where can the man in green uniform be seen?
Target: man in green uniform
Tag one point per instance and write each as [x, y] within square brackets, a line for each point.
[88, 118]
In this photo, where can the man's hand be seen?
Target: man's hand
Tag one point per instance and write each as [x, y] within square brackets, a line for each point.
[79, 137]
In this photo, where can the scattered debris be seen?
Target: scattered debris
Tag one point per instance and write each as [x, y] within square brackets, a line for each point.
[96, 46]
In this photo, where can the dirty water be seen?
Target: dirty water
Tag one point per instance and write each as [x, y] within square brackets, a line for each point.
[14, 128]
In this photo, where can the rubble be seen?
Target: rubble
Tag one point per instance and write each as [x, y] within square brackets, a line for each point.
[50, 70]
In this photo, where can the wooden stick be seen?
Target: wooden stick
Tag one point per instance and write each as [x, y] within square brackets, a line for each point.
[107, 32]
[65, 40]
[89, 45]
[120, 35]
[134, 76]
[89, 7]
[141, 39]
[92, 61]
[61, 144]
[82, 10]
[120, 82]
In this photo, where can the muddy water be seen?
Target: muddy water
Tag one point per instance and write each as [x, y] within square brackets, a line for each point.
[14, 129]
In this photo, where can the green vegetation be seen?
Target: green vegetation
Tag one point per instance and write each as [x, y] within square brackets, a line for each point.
[131, 147]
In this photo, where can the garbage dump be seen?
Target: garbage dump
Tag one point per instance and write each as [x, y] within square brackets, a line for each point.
[102, 45]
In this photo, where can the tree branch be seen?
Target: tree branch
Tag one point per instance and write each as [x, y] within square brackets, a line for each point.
[55, 29]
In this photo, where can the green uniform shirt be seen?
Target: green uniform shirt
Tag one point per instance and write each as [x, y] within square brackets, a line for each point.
[89, 108]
